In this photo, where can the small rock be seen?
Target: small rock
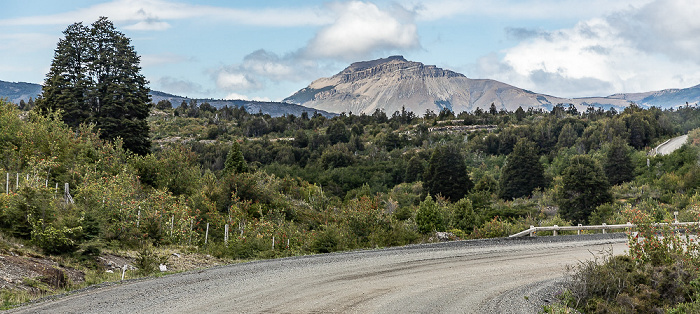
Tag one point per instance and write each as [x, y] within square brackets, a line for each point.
[109, 271]
[163, 268]
[444, 236]
[176, 254]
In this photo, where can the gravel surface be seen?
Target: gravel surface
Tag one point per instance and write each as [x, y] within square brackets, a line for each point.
[671, 145]
[482, 276]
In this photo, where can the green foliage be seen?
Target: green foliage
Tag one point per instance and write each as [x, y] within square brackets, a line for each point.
[494, 228]
[522, 172]
[54, 240]
[235, 163]
[659, 274]
[337, 132]
[313, 191]
[430, 216]
[618, 163]
[446, 174]
[584, 187]
[463, 216]
[328, 241]
[90, 85]
[414, 169]
[148, 261]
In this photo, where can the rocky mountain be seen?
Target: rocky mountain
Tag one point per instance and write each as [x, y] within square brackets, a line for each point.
[392, 83]
[15, 92]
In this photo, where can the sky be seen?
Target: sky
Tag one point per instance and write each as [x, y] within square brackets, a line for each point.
[267, 50]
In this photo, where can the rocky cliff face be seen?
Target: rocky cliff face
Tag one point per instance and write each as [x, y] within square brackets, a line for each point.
[392, 83]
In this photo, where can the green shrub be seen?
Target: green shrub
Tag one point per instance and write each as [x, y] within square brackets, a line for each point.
[148, 261]
[55, 240]
[429, 216]
[327, 241]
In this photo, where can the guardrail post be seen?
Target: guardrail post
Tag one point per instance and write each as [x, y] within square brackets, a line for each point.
[604, 224]
[579, 230]
[532, 233]
[554, 232]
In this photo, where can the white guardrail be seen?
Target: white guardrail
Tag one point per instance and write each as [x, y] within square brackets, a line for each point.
[533, 230]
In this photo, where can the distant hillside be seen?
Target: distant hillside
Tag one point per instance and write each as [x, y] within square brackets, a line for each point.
[392, 83]
[667, 98]
[275, 109]
[14, 92]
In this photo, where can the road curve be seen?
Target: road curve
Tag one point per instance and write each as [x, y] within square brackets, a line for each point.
[452, 277]
[671, 145]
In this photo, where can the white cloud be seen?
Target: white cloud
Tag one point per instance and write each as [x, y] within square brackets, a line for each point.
[262, 68]
[151, 15]
[233, 80]
[23, 42]
[668, 27]
[178, 86]
[361, 29]
[602, 56]
[150, 60]
[235, 96]
[431, 10]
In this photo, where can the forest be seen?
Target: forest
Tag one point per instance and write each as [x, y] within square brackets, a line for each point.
[299, 185]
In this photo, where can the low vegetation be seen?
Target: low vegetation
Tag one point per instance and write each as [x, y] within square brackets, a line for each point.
[300, 185]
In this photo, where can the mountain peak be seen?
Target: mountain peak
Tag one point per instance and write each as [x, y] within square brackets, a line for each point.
[363, 65]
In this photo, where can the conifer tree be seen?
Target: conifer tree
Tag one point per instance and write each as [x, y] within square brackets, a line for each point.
[67, 83]
[522, 172]
[447, 174]
[338, 133]
[618, 163]
[584, 187]
[414, 169]
[94, 78]
[235, 163]
[429, 218]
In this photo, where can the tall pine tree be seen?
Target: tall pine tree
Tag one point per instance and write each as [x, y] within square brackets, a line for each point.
[522, 172]
[447, 174]
[235, 163]
[94, 78]
[67, 83]
[584, 187]
[618, 163]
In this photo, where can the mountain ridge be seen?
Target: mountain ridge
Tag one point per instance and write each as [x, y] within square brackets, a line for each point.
[18, 91]
[394, 83]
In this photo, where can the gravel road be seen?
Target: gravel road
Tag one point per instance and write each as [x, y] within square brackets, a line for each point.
[671, 145]
[482, 276]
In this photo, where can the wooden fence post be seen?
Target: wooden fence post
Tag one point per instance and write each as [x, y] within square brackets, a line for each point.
[206, 235]
[226, 234]
[191, 225]
[67, 196]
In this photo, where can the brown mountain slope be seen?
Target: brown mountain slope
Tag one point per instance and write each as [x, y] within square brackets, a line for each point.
[392, 83]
